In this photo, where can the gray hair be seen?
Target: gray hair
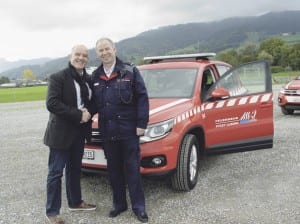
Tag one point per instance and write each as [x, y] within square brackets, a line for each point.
[78, 46]
[105, 39]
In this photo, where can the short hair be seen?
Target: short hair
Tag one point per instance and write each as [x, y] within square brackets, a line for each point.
[77, 46]
[106, 39]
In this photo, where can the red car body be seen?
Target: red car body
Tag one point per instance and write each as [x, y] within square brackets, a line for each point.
[289, 97]
[234, 114]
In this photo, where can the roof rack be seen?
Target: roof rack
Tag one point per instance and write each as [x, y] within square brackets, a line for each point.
[197, 56]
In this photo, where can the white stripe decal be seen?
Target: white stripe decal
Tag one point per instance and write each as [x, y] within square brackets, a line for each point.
[254, 99]
[243, 100]
[220, 104]
[187, 114]
[166, 106]
[195, 110]
[266, 97]
[231, 102]
[210, 106]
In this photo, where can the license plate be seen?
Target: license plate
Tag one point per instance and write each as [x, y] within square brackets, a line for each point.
[89, 154]
[293, 99]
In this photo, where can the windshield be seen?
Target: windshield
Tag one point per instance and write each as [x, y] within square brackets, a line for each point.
[170, 83]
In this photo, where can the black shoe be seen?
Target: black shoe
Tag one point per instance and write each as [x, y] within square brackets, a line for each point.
[115, 212]
[142, 216]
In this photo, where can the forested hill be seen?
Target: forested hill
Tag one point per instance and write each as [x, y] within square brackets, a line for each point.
[189, 38]
[213, 36]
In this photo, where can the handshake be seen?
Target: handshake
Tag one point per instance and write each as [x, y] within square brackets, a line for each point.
[86, 116]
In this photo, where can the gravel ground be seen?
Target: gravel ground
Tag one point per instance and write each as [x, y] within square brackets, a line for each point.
[252, 187]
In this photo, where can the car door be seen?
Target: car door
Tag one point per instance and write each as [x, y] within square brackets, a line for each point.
[238, 109]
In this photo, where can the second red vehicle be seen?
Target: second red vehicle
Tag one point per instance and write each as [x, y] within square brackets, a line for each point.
[289, 97]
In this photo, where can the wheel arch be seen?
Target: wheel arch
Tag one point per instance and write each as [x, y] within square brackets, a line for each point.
[198, 131]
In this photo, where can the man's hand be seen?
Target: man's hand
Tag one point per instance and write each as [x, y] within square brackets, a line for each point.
[86, 116]
[140, 131]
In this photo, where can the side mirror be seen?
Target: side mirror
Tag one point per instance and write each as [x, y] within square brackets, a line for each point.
[220, 93]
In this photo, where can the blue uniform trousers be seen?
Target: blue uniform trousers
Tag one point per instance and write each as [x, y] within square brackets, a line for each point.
[70, 159]
[123, 162]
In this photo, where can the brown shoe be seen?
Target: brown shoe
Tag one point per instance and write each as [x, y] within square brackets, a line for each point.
[54, 219]
[83, 207]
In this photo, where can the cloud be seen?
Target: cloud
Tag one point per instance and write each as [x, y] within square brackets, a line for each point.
[42, 28]
[47, 15]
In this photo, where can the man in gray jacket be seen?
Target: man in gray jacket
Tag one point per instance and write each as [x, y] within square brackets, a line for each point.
[68, 101]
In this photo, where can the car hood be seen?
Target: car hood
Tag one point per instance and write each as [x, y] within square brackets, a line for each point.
[162, 109]
[295, 84]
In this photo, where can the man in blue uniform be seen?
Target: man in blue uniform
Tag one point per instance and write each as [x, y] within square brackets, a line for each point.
[123, 107]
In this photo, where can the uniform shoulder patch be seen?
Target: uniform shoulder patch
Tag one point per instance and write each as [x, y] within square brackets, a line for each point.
[129, 67]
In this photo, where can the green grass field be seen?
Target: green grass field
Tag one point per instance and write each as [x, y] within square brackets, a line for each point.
[290, 74]
[284, 77]
[21, 94]
[9, 95]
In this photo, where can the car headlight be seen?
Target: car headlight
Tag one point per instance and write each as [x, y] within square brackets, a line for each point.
[282, 90]
[157, 131]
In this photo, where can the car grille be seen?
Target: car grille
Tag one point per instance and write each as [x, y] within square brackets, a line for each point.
[291, 92]
[96, 137]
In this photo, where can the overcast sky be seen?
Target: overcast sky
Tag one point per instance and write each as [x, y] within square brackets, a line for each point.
[49, 28]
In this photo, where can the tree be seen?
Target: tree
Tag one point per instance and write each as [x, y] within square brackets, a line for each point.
[263, 55]
[248, 53]
[229, 56]
[273, 47]
[285, 59]
[294, 57]
[28, 75]
[4, 79]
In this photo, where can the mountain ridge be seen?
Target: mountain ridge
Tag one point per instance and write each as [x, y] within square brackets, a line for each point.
[6, 65]
[213, 36]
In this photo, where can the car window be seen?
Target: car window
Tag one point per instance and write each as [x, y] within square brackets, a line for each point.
[246, 79]
[208, 80]
[170, 83]
[222, 69]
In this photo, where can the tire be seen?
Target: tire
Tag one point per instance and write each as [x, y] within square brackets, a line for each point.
[287, 111]
[186, 175]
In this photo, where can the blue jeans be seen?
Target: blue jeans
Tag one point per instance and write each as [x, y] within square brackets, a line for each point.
[70, 159]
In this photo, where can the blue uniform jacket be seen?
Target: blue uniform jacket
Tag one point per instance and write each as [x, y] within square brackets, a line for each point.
[121, 101]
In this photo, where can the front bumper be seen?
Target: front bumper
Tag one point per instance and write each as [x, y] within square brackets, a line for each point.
[289, 101]
[157, 157]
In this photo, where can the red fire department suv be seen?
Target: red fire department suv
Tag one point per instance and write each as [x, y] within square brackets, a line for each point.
[197, 106]
[289, 97]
